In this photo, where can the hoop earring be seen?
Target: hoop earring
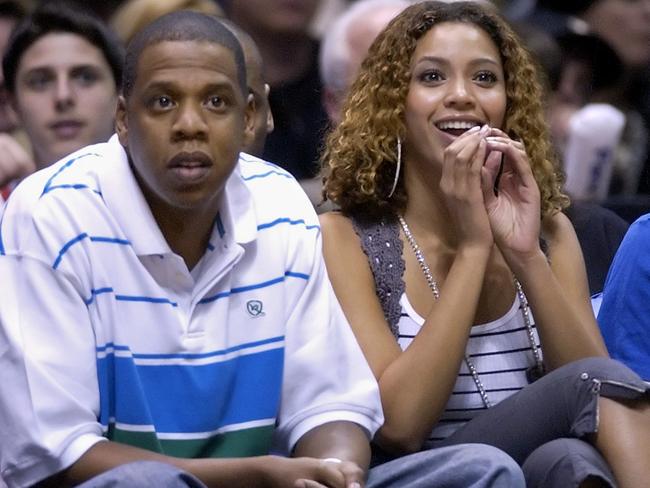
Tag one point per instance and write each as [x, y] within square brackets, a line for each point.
[399, 166]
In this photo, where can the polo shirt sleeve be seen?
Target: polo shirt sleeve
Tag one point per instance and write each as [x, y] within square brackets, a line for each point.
[623, 315]
[49, 398]
[326, 377]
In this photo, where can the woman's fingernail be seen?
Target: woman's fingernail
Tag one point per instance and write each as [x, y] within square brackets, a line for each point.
[485, 129]
[355, 485]
[474, 129]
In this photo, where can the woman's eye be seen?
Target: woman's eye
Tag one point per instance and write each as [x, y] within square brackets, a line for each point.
[486, 77]
[431, 76]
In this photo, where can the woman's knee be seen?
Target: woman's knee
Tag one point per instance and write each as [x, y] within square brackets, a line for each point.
[566, 462]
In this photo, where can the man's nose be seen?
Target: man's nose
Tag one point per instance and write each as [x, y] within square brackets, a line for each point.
[190, 121]
[64, 95]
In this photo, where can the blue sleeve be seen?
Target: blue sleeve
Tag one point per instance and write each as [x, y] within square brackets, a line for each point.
[624, 316]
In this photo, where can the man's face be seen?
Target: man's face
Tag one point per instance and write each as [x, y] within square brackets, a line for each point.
[184, 123]
[65, 95]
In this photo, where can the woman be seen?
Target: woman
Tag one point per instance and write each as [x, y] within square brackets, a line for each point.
[453, 261]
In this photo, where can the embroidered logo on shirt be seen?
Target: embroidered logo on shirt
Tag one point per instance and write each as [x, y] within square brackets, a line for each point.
[255, 308]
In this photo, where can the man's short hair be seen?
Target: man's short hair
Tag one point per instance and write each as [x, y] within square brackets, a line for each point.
[53, 18]
[182, 25]
[10, 9]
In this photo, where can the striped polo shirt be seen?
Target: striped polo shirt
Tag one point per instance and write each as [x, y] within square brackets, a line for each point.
[111, 336]
[501, 353]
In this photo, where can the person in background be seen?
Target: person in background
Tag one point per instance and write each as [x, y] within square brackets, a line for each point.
[281, 31]
[62, 71]
[345, 45]
[625, 26]
[459, 273]
[15, 160]
[259, 89]
[623, 316]
[133, 15]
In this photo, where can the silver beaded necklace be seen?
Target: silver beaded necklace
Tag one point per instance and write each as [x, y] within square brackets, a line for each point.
[533, 373]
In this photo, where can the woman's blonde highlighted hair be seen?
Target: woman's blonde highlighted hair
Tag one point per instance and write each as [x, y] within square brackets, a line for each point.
[360, 156]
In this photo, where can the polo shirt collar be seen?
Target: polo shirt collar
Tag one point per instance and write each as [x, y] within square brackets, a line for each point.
[236, 221]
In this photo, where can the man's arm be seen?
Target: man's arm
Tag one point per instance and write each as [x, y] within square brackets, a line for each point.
[340, 440]
[260, 471]
[344, 441]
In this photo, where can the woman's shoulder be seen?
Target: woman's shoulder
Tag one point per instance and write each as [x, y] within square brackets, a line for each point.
[556, 227]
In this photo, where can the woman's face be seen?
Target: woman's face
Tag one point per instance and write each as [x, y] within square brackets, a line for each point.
[457, 82]
[65, 95]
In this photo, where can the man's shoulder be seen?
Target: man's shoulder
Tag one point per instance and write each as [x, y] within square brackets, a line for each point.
[57, 197]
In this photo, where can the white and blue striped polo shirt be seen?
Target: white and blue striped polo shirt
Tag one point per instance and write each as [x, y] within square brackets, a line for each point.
[105, 332]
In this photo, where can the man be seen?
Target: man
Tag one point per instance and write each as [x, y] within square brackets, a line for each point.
[201, 317]
[166, 300]
[62, 71]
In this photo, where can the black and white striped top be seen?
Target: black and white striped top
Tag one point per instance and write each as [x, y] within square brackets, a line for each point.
[501, 353]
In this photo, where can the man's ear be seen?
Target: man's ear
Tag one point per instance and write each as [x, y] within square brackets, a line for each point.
[270, 123]
[121, 124]
[249, 121]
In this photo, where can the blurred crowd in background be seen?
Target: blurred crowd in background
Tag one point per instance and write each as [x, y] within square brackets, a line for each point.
[61, 88]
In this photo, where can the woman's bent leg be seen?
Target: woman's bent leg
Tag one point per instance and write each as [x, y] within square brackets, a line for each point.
[563, 403]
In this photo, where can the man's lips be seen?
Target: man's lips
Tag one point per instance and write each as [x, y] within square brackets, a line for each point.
[66, 129]
[190, 167]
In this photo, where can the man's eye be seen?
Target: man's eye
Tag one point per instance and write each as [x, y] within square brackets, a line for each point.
[86, 77]
[38, 81]
[216, 101]
[163, 101]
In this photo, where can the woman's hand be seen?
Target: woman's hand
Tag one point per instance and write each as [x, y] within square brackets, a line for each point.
[307, 472]
[461, 186]
[513, 207]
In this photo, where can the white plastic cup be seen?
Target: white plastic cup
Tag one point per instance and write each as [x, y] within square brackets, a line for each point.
[594, 133]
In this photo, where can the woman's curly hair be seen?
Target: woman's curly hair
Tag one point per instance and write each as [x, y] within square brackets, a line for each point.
[360, 155]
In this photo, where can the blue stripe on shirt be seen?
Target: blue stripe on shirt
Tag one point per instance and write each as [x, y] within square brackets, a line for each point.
[136, 298]
[2, 246]
[285, 220]
[255, 286]
[75, 186]
[265, 175]
[66, 165]
[241, 389]
[81, 237]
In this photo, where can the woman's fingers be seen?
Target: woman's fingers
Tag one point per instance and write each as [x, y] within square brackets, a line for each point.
[516, 159]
